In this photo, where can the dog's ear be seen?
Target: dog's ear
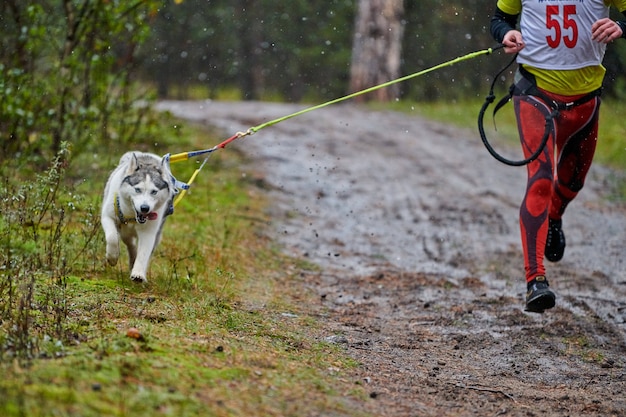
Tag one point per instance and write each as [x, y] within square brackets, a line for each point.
[166, 172]
[133, 164]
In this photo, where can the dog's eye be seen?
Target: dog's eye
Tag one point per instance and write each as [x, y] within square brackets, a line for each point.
[138, 190]
[154, 192]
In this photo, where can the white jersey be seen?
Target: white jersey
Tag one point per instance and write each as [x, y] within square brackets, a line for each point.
[558, 33]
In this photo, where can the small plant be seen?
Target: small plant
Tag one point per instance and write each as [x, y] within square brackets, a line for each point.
[42, 241]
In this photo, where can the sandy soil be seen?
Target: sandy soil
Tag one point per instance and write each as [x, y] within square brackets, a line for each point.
[414, 227]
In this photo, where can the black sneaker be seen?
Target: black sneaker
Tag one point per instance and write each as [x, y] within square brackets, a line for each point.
[555, 241]
[539, 297]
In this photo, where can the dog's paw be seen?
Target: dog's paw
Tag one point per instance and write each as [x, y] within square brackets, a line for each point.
[112, 259]
[113, 254]
[140, 279]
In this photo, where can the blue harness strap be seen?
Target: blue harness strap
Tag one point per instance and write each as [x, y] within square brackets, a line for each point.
[178, 185]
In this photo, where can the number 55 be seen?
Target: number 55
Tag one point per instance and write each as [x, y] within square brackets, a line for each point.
[552, 22]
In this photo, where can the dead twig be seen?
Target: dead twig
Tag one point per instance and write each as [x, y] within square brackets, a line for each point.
[492, 390]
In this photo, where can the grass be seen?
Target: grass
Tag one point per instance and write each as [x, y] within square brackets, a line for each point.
[219, 330]
[611, 149]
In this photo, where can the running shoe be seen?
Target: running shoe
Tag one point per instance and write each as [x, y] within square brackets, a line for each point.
[555, 241]
[539, 296]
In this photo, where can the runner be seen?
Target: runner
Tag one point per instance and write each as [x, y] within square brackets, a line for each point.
[560, 47]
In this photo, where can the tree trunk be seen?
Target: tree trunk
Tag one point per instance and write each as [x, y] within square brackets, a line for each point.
[377, 48]
[251, 37]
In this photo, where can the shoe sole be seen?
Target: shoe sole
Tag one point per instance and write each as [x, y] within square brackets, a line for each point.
[555, 257]
[556, 254]
[541, 302]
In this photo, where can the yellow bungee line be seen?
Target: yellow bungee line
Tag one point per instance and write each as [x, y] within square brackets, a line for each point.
[183, 156]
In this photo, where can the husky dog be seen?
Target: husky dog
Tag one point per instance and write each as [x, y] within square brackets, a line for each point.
[137, 198]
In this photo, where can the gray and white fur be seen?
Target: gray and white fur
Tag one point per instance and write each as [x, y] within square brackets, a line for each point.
[137, 199]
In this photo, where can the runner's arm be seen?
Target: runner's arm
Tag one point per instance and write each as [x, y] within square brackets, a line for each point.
[503, 30]
[501, 23]
[622, 25]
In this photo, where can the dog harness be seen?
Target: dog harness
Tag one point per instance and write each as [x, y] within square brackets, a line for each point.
[118, 211]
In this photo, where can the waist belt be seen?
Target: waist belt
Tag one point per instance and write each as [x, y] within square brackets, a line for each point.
[527, 86]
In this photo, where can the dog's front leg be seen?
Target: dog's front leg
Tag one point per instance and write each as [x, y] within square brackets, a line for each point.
[130, 240]
[145, 246]
[111, 236]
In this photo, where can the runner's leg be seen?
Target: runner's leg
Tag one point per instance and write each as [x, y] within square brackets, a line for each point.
[577, 148]
[530, 115]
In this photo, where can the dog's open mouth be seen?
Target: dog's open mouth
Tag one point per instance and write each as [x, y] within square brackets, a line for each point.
[144, 217]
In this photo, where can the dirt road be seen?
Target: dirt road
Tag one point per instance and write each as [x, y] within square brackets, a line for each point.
[415, 229]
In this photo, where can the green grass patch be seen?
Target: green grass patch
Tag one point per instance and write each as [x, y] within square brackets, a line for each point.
[611, 149]
[218, 330]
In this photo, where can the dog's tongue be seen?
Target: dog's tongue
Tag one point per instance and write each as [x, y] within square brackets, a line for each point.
[152, 216]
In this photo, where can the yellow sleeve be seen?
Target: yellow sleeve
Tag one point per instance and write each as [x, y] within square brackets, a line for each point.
[515, 6]
[619, 5]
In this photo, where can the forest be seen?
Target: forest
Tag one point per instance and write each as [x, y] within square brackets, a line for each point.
[303, 48]
[73, 70]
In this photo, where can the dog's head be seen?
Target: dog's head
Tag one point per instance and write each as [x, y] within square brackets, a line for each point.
[147, 185]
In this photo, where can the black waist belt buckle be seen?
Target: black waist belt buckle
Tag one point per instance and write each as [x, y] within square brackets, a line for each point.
[557, 105]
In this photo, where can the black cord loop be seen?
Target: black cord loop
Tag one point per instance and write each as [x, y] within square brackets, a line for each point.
[481, 115]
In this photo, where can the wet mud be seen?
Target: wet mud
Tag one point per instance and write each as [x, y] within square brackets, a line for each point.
[414, 227]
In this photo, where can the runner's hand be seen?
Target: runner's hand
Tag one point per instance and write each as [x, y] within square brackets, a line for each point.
[605, 31]
[513, 42]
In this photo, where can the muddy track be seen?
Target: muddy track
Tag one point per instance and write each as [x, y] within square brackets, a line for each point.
[414, 227]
